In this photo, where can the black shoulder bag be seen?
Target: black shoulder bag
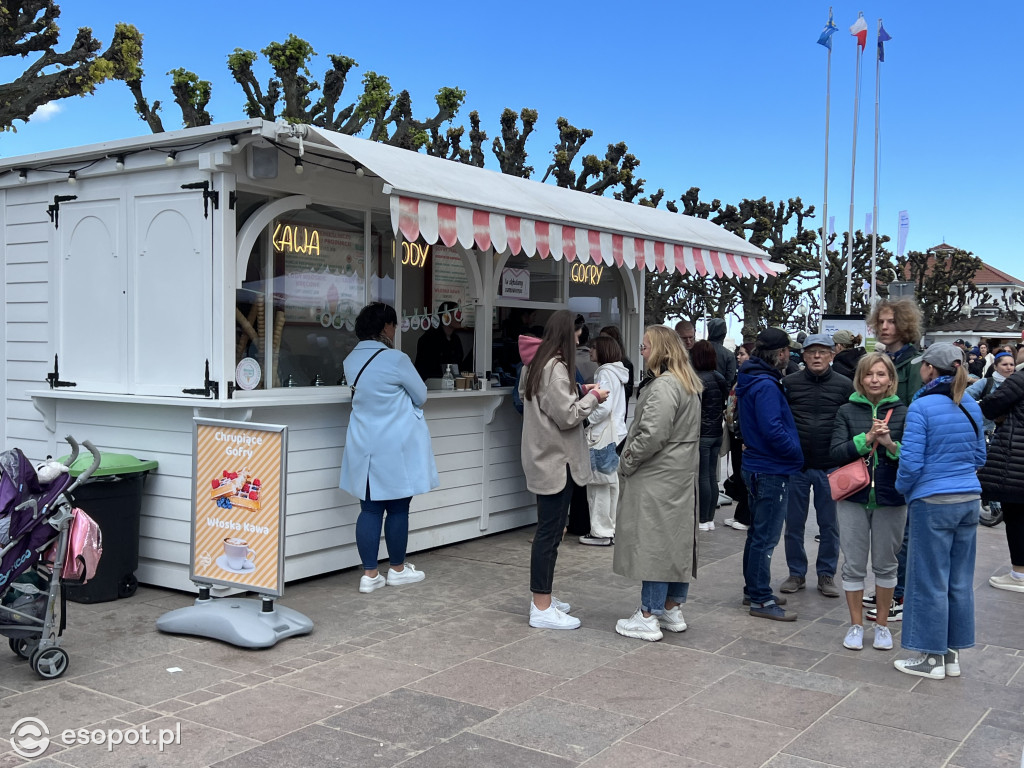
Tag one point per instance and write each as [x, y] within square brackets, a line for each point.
[353, 387]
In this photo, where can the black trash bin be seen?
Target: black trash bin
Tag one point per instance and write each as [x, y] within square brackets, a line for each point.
[113, 498]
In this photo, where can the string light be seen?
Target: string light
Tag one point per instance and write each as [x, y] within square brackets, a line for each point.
[298, 166]
[72, 178]
[170, 157]
[119, 163]
[23, 176]
[359, 170]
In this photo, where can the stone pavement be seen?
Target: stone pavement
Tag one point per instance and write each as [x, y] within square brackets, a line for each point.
[447, 673]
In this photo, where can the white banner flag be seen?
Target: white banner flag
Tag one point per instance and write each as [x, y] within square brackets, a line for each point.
[867, 223]
[831, 225]
[901, 239]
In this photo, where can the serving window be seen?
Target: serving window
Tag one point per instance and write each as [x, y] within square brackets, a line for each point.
[296, 310]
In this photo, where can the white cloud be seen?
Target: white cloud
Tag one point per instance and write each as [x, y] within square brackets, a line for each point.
[46, 111]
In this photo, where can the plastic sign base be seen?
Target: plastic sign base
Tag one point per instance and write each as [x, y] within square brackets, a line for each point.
[237, 621]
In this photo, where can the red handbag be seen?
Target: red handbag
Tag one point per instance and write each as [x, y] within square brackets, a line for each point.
[850, 478]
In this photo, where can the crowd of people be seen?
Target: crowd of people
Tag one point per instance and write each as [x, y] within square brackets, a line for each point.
[792, 418]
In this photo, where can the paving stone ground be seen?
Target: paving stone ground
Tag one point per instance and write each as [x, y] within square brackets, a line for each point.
[448, 673]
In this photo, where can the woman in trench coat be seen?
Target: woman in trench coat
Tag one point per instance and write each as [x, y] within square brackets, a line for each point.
[655, 538]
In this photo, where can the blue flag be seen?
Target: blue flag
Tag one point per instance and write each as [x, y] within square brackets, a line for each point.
[883, 36]
[830, 29]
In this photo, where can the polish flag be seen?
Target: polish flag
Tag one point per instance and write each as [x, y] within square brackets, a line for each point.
[860, 31]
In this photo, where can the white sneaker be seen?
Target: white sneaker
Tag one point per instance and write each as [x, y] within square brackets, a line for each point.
[408, 575]
[673, 620]
[552, 618]
[366, 584]
[1008, 582]
[703, 526]
[883, 638]
[930, 665]
[854, 639]
[560, 605]
[711, 525]
[639, 627]
[732, 522]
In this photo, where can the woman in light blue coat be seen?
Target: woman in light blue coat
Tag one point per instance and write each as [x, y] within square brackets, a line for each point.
[388, 458]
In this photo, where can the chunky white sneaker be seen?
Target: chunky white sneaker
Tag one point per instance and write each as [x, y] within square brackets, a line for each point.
[703, 526]
[931, 665]
[854, 639]
[560, 605]
[366, 584]
[883, 638]
[711, 525]
[673, 620]
[552, 618]
[639, 627]
[732, 522]
[408, 575]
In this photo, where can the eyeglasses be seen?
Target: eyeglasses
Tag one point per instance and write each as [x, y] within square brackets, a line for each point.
[817, 352]
[644, 347]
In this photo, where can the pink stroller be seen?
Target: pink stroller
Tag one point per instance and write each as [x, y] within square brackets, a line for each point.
[34, 518]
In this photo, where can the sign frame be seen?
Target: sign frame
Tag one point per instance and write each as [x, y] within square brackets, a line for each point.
[279, 433]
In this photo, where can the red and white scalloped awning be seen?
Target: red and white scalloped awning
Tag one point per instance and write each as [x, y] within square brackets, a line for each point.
[450, 224]
[437, 200]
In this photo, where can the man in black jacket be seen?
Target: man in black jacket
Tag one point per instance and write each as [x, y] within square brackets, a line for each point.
[814, 395]
[726, 359]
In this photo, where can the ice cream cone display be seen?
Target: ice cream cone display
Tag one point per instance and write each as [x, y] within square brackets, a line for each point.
[405, 322]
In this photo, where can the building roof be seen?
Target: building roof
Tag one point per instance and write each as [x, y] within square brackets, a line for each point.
[978, 325]
[986, 274]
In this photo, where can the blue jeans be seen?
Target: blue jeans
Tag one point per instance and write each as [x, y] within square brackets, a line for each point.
[800, 484]
[653, 595]
[769, 497]
[396, 530]
[938, 609]
[708, 477]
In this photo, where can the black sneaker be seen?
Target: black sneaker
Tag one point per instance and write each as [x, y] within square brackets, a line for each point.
[895, 611]
[868, 601]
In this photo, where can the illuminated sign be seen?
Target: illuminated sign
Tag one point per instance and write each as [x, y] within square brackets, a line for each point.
[586, 273]
[293, 238]
[413, 254]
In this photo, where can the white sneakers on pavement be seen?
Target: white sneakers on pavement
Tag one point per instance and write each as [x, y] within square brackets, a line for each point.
[367, 585]
[552, 618]
[639, 627]
[673, 620]
[732, 522]
[854, 639]
[408, 575]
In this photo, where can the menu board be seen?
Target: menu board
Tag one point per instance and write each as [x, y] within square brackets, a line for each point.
[238, 504]
[323, 272]
[451, 283]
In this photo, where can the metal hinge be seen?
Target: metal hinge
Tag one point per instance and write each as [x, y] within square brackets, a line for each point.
[209, 388]
[53, 211]
[53, 377]
[208, 196]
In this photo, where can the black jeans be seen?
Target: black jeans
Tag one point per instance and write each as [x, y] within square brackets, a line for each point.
[1013, 518]
[552, 513]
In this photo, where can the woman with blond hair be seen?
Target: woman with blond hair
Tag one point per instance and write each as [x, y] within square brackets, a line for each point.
[655, 538]
[870, 425]
[943, 449]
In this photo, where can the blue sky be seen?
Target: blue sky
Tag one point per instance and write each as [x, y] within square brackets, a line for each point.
[726, 97]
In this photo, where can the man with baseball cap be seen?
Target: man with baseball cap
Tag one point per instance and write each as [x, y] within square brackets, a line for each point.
[771, 455]
[814, 395]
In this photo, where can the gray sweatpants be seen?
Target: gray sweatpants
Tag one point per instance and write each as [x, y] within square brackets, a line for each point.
[860, 529]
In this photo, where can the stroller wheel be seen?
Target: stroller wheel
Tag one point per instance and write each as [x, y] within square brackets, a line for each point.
[49, 663]
[21, 646]
[127, 585]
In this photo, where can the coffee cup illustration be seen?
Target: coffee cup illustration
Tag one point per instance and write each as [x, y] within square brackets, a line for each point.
[237, 554]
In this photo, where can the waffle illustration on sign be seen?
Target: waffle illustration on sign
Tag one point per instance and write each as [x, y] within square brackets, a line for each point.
[236, 489]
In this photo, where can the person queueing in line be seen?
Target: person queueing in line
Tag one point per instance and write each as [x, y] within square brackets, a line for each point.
[771, 455]
[1002, 477]
[734, 485]
[870, 425]
[655, 531]
[943, 448]
[554, 453]
[712, 407]
[979, 390]
[388, 458]
[607, 428]
[897, 326]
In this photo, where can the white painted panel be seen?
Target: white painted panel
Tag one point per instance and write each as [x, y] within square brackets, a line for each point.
[38, 232]
[37, 333]
[27, 272]
[29, 292]
[27, 313]
[172, 294]
[28, 353]
[91, 325]
[27, 208]
[27, 253]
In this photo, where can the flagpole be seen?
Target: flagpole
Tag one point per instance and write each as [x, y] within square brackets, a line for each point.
[824, 211]
[874, 209]
[853, 177]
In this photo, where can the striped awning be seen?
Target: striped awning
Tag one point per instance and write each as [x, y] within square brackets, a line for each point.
[440, 201]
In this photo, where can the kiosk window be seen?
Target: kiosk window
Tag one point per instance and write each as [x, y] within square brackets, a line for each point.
[296, 311]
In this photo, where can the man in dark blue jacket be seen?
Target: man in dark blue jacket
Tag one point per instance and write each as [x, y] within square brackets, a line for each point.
[814, 396]
[772, 454]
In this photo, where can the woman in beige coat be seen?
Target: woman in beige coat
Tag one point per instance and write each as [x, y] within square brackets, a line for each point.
[554, 450]
[654, 534]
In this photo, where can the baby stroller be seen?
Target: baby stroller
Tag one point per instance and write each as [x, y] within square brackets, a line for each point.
[35, 517]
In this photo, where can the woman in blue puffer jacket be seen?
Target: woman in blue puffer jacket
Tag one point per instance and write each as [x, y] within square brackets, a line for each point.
[943, 448]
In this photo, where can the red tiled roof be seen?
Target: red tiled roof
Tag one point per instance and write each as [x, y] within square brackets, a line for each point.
[986, 274]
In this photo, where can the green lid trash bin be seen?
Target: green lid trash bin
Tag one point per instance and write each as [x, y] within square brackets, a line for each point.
[113, 498]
